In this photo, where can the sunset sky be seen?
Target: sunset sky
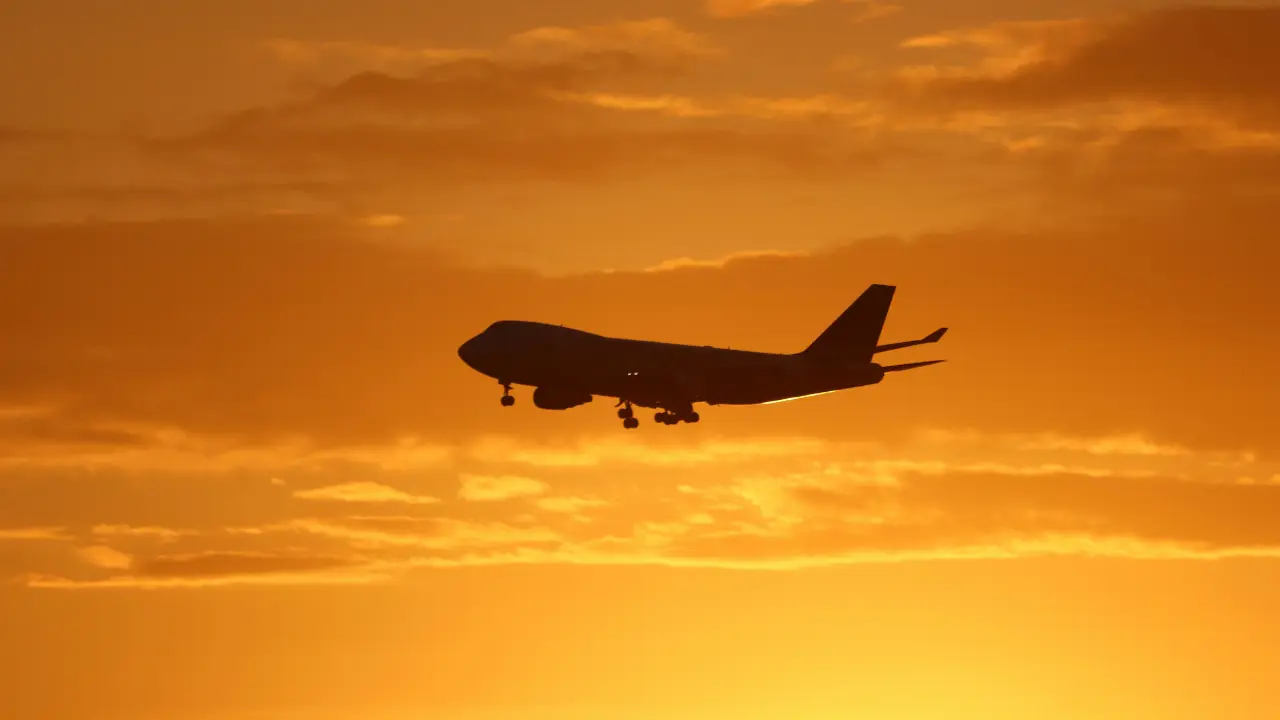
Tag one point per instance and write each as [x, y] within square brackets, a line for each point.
[245, 476]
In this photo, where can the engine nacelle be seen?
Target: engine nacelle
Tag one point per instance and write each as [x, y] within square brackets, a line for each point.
[559, 399]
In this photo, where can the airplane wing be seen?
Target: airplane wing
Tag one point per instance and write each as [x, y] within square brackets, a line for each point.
[932, 337]
[666, 390]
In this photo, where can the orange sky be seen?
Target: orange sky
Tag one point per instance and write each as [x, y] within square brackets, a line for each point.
[244, 476]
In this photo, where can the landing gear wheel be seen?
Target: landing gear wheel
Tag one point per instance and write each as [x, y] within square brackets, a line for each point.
[692, 417]
[665, 418]
[625, 412]
[631, 423]
[508, 401]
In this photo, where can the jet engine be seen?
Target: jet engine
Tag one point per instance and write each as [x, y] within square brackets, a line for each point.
[874, 373]
[559, 399]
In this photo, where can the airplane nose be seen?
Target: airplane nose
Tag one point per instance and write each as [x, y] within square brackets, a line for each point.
[467, 351]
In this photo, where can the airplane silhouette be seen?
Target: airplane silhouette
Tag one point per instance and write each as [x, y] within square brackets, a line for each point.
[567, 367]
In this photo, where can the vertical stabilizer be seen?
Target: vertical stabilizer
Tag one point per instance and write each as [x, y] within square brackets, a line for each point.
[856, 333]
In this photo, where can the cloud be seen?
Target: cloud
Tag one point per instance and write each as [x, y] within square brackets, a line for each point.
[648, 36]
[480, 120]
[359, 577]
[655, 38]
[336, 577]
[33, 533]
[1125, 325]
[866, 10]
[478, 85]
[1219, 57]
[382, 133]
[938, 494]
[570, 505]
[1122, 445]
[1110, 386]
[161, 533]
[447, 535]
[313, 55]
[597, 451]
[487, 488]
[835, 519]
[384, 220]
[233, 564]
[986, 509]
[173, 450]
[363, 492]
[738, 8]
[1154, 108]
[869, 10]
[686, 263]
[1008, 46]
[213, 569]
[106, 557]
[61, 177]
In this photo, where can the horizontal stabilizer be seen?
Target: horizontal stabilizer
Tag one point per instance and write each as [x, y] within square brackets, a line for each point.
[911, 366]
[932, 337]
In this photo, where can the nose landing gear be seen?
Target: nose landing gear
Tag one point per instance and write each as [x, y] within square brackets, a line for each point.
[628, 416]
[507, 400]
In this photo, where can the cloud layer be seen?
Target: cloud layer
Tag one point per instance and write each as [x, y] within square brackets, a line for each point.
[301, 333]
[834, 503]
[255, 379]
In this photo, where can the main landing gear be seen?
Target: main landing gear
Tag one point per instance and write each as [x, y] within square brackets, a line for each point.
[507, 400]
[669, 418]
[628, 417]
[666, 417]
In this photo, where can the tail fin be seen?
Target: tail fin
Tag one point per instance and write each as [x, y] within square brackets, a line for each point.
[855, 334]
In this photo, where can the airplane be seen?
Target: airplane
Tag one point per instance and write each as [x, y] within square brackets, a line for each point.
[569, 367]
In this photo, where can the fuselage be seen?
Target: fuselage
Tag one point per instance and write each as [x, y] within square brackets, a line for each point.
[653, 374]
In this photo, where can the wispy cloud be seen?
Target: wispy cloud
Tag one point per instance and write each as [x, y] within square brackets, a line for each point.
[863, 10]
[161, 533]
[443, 534]
[1215, 57]
[488, 488]
[1116, 445]
[309, 55]
[654, 37]
[597, 451]
[363, 492]
[570, 505]
[639, 36]
[219, 569]
[106, 557]
[166, 449]
[34, 533]
[685, 263]
[936, 495]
